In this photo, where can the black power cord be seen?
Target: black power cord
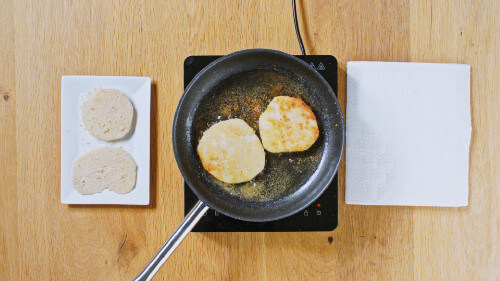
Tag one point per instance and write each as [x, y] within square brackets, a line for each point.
[297, 28]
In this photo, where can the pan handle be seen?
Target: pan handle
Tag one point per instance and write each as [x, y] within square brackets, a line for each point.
[175, 239]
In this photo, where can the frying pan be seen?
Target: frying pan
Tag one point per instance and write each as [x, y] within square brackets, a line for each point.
[240, 85]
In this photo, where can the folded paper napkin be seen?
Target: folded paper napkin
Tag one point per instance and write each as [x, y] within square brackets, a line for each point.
[408, 134]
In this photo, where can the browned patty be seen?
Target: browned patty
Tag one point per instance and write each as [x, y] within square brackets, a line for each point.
[288, 125]
[231, 151]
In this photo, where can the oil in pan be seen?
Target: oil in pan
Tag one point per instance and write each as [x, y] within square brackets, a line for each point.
[245, 96]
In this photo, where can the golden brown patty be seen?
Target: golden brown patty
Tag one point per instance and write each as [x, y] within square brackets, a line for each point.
[288, 125]
[231, 151]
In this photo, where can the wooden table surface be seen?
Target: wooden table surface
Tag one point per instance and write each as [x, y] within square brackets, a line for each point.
[42, 239]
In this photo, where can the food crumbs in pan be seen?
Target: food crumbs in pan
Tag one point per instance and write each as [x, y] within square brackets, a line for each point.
[245, 96]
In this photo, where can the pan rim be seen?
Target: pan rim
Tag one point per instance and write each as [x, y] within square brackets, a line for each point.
[176, 144]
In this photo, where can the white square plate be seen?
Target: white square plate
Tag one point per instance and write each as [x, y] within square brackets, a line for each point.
[76, 140]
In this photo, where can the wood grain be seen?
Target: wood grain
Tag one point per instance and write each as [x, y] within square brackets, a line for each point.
[9, 253]
[44, 240]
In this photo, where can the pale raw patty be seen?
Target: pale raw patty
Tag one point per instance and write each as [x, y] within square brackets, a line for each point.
[105, 167]
[107, 114]
[231, 151]
[288, 125]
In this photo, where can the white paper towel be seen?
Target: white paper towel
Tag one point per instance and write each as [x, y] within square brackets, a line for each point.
[408, 134]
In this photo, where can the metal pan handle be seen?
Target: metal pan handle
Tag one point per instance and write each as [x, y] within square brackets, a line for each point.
[175, 239]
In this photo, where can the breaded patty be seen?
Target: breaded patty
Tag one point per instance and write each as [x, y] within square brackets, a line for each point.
[288, 125]
[107, 114]
[104, 167]
[231, 151]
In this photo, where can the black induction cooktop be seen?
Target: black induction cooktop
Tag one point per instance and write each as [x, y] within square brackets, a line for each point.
[322, 215]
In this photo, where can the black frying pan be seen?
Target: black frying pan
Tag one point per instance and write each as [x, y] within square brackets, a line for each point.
[240, 85]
